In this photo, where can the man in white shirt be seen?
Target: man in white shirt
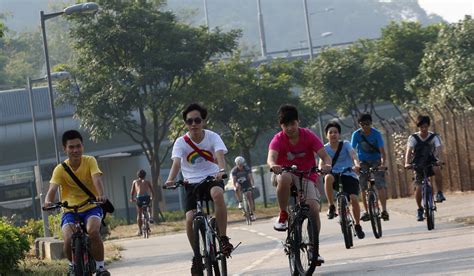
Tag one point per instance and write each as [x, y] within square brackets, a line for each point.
[199, 154]
[424, 150]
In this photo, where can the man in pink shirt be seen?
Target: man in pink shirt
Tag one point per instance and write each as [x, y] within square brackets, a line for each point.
[295, 146]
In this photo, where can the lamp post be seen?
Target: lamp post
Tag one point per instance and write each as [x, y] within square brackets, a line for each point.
[308, 30]
[261, 31]
[38, 176]
[206, 17]
[89, 7]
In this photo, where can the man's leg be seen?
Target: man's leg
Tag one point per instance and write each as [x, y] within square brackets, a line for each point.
[328, 188]
[355, 208]
[217, 195]
[97, 246]
[139, 218]
[189, 227]
[250, 200]
[418, 196]
[383, 197]
[238, 195]
[283, 190]
[67, 230]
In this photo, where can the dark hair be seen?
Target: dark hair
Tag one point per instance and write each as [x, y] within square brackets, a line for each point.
[287, 113]
[332, 124]
[364, 117]
[141, 174]
[195, 106]
[71, 135]
[421, 120]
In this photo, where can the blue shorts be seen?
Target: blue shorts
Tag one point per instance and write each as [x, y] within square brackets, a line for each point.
[68, 218]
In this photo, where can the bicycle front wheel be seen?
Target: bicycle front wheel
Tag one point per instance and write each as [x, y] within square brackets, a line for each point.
[374, 213]
[78, 253]
[145, 224]
[246, 209]
[429, 210]
[345, 227]
[201, 251]
[219, 260]
[306, 243]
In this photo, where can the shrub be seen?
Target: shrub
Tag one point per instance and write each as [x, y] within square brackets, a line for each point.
[32, 229]
[13, 246]
[55, 225]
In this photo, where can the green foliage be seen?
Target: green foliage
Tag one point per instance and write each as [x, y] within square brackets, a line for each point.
[447, 69]
[243, 99]
[13, 246]
[32, 229]
[113, 222]
[55, 225]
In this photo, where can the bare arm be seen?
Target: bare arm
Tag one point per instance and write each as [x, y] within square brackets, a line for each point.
[51, 194]
[326, 159]
[355, 159]
[99, 187]
[383, 158]
[132, 191]
[271, 161]
[175, 167]
[221, 163]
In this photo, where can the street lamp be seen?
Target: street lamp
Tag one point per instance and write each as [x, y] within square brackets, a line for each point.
[38, 176]
[84, 8]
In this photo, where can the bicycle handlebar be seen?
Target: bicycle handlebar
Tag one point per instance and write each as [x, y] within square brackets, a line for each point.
[180, 183]
[294, 169]
[65, 204]
[348, 169]
[414, 166]
[373, 169]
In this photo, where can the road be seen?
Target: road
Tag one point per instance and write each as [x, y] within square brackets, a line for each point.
[406, 248]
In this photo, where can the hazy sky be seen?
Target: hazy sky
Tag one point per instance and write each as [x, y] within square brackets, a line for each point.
[450, 10]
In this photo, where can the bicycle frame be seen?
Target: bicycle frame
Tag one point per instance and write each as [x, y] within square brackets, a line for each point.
[427, 201]
[246, 204]
[371, 198]
[345, 219]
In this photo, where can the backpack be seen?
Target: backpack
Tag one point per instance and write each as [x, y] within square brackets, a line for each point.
[423, 151]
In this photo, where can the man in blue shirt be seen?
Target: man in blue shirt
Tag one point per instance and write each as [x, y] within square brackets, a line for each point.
[346, 158]
[368, 143]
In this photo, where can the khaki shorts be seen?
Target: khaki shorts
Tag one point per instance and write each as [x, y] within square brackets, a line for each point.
[311, 192]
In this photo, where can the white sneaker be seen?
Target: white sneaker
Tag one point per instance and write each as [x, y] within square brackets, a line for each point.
[240, 205]
[280, 225]
[253, 217]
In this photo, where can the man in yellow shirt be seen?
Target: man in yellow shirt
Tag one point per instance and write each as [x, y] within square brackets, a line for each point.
[86, 169]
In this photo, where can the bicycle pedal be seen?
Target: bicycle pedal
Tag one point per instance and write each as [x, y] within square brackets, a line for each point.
[235, 247]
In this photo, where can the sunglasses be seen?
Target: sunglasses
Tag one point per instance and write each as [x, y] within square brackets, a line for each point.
[196, 120]
[365, 123]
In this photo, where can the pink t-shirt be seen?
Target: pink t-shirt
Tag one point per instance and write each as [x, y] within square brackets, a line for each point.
[301, 154]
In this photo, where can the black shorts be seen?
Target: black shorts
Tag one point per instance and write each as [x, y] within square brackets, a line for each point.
[143, 201]
[350, 185]
[191, 197]
[418, 179]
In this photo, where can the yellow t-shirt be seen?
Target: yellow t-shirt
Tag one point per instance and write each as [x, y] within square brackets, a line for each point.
[70, 191]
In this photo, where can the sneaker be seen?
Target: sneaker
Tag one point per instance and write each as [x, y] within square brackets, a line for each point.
[196, 267]
[102, 272]
[440, 197]
[331, 211]
[253, 217]
[227, 247]
[365, 217]
[152, 220]
[282, 221]
[319, 260]
[358, 229]
[385, 215]
[419, 214]
[240, 205]
[70, 270]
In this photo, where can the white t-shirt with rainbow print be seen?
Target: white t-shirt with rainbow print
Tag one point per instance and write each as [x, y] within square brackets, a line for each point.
[193, 166]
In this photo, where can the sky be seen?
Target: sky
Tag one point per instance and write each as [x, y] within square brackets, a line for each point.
[450, 10]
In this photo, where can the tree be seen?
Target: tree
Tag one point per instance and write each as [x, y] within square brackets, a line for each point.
[447, 69]
[134, 66]
[243, 98]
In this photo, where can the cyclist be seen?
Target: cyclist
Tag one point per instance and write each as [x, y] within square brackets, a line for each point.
[295, 146]
[368, 143]
[350, 182]
[199, 154]
[424, 148]
[86, 169]
[142, 193]
[242, 179]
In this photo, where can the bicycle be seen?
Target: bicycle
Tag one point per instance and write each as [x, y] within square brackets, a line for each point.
[373, 202]
[427, 201]
[302, 241]
[83, 262]
[207, 241]
[345, 217]
[145, 220]
[246, 205]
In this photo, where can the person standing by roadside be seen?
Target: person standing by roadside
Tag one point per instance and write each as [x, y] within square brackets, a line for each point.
[369, 145]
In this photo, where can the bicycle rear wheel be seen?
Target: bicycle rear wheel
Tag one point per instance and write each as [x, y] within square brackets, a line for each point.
[374, 213]
[345, 227]
[145, 224]
[306, 243]
[429, 210]
[201, 251]
[219, 260]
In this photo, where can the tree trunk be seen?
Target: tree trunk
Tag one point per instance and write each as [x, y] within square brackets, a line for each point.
[159, 200]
